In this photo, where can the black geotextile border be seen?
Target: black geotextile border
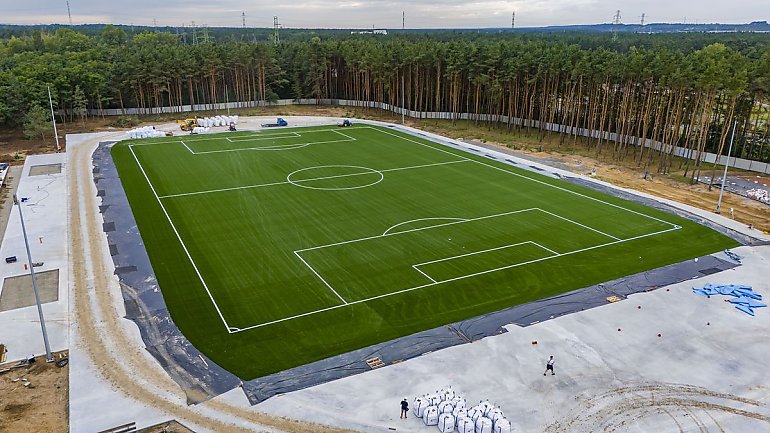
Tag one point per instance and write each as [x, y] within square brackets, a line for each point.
[145, 306]
[199, 376]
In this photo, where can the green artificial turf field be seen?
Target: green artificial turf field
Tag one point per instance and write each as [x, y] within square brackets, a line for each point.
[285, 246]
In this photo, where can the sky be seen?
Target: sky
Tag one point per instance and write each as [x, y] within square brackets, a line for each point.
[380, 13]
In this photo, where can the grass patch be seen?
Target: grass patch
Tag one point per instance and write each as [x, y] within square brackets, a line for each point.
[278, 248]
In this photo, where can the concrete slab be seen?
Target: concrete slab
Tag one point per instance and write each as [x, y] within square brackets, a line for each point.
[46, 221]
[17, 292]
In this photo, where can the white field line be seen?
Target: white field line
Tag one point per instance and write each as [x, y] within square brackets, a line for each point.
[319, 276]
[421, 219]
[235, 188]
[179, 237]
[215, 136]
[264, 137]
[456, 279]
[417, 266]
[268, 148]
[418, 229]
[426, 275]
[532, 179]
[474, 253]
[581, 225]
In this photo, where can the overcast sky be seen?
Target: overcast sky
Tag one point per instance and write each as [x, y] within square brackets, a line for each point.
[380, 13]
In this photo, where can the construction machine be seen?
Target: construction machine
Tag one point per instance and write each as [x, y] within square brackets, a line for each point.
[188, 124]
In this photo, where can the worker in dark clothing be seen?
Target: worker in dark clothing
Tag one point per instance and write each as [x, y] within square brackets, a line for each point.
[404, 408]
[549, 366]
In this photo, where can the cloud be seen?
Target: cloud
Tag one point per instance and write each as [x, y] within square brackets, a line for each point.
[382, 13]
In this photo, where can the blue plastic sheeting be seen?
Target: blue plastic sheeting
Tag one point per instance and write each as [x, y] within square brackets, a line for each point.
[746, 299]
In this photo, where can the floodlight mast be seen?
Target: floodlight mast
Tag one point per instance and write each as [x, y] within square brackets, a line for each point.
[48, 356]
[53, 120]
[727, 164]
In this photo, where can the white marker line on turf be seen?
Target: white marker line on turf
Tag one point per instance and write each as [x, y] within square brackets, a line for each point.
[525, 177]
[215, 136]
[418, 229]
[179, 237]
[426, 275]
[269, 148]
[421, 219]
[259, 138]
[473, 253]
[581, 225]
[456, 279]
[235, 188]
[321, 278]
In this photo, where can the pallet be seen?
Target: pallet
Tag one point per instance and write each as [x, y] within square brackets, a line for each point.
[614, 299]
[375, 362]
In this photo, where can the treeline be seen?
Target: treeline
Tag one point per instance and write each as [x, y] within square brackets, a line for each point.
[664, 89]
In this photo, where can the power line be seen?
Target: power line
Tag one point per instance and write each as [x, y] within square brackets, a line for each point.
[69, 13]
[615, 24]
[276, 26]
[243, 17]
[513, 20]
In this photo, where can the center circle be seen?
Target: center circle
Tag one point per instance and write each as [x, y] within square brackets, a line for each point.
[335, 177]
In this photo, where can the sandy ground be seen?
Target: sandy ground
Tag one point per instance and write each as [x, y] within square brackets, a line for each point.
[39, 406]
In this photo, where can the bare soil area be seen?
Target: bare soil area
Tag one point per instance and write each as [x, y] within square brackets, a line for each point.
[34, 397]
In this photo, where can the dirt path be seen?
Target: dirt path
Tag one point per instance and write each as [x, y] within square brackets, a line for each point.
[102, 332]
[34, 397]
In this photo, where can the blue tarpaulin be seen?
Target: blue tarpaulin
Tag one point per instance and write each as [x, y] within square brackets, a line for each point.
[746, 299]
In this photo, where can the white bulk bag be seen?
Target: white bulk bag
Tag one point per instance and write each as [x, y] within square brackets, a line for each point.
[433, 399]
[486, 407]
[418, 406]
[430, 416]
[458, 402]
[496, 414]
[474, 414]
[502, 426]
[483, 425]
[466, 425]
[446, 423]
[235, 119]
[445, 407]
[447, 394]
[460, 413]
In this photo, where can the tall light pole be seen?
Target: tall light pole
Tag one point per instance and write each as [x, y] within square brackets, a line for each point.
[48, 356]
[403, 99]
[727, 164]
[53, 119]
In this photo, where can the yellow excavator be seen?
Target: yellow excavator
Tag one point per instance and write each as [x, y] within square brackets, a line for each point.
[187, 124]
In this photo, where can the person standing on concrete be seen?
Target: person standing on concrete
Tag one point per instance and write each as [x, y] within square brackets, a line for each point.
[549, 366]
[404, 408]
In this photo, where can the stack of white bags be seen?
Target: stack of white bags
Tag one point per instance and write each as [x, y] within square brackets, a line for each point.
[209, 122]
[448, 412]
[144, 132]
